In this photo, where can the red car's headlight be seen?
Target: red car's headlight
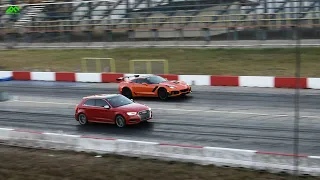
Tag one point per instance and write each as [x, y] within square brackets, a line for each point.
[132, 113]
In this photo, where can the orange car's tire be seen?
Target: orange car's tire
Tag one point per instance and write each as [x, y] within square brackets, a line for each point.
[127, 93]
[163, 94]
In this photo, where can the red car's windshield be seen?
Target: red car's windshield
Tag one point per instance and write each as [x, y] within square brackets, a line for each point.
[119, 100]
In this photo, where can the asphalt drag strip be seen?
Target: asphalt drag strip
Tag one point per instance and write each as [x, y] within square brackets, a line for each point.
[233, 118]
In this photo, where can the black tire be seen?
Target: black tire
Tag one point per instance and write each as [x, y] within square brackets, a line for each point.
[83, 120]
[163, 94]
[120, 121]
[127, 93]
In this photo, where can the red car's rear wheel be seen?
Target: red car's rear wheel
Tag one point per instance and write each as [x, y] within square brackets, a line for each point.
[83, 120]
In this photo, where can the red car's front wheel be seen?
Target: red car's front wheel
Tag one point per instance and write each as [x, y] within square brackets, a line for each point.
[120, 121]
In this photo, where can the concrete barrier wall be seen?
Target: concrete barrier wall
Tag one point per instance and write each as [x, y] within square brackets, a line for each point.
[275, 162]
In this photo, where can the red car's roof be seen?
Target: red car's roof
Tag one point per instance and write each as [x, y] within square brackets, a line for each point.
[100, 96]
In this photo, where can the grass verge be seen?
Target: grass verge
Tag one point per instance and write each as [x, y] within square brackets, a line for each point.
[30, 164]
[264, 62]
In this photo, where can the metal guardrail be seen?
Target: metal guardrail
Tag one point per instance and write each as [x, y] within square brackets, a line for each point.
[169, 44]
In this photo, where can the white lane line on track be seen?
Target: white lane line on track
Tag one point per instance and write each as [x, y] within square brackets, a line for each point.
[314, 157]
[183, 110]
[6, 129]
[42, 102]
[215, 111]
[235, 112]
[316, 117]
[230, 112]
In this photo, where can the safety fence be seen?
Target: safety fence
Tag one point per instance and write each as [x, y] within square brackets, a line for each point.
[148, 63]
[99, 64]
[149, 66]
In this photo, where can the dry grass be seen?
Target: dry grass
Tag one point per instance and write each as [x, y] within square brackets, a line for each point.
[279, 62]
[30, 164]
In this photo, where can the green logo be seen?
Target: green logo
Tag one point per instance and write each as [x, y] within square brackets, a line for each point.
[13, 10]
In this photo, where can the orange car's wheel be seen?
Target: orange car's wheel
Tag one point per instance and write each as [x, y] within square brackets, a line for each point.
[163, 94]
[127, 93]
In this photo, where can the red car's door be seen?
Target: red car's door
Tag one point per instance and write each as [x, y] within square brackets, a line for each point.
[101, 113]
[89, 109]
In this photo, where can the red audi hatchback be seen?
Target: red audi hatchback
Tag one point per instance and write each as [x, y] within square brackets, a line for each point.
[111, 108]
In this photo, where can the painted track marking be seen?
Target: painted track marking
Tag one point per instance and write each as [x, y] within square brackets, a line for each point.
[182, 110]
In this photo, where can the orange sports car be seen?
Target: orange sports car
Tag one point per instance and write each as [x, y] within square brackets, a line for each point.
[151, 86]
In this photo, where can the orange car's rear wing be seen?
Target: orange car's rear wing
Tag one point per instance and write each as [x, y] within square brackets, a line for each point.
[126, 78]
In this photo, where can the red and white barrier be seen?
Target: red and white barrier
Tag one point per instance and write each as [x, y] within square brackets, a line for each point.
[195, 79]
[43, 76]
[313, 83]
[5, 75]
[201, 80]
[256, 81]
[187, 153]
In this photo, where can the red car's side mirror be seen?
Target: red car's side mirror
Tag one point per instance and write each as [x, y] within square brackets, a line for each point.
[144, 84]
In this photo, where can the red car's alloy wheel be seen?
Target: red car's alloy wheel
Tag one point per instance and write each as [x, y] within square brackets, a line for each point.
[83, 119]
[120, 121]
